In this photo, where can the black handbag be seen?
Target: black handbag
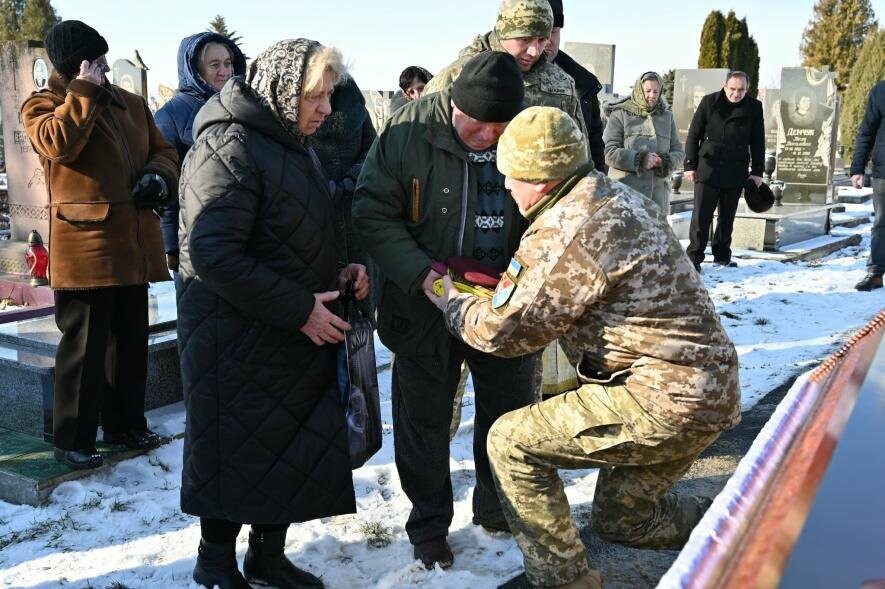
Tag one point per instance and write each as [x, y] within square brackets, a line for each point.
[358, 383]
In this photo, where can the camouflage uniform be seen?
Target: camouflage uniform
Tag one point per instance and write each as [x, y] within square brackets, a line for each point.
[602, 272]
[545, 84]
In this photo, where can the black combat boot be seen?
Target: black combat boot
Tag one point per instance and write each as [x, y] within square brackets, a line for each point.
[266, 564]
[217, 566]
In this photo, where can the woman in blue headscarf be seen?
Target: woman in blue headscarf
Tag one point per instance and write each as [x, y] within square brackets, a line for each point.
[206, 61]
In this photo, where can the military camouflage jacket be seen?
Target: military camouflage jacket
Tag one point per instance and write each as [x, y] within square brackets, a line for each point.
[545, 84]
[601, 272]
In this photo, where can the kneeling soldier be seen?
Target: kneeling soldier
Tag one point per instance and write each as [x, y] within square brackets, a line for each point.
[606, 276]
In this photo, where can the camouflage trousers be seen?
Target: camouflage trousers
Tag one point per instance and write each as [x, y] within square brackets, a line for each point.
[592, 427]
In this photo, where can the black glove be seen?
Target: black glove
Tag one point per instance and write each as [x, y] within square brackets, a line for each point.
[666, 166]
[150, 191]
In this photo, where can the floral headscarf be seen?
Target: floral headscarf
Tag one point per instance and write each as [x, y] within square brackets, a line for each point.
[277, 76]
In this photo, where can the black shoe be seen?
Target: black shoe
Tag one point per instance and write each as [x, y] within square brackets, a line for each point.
[217, 566]
[79, 459]
[870, 282]
[434, 551]
[266, 564]
[725, 263]
[143, 439]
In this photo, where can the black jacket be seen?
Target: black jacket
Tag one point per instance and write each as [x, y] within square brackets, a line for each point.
[588, 88]
[724, 139]
[870, 142]
[265, 439]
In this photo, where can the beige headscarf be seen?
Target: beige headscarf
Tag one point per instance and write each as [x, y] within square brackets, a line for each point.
[277, 76]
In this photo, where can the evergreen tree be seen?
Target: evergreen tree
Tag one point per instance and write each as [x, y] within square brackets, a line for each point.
[37, 18]
[726, 43]
[712, 39]
[10, 19]
[868, 69]
[835, 35]
[219, 25]
[669, 82]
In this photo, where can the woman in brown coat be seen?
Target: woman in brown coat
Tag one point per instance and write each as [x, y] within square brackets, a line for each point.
[107, 172]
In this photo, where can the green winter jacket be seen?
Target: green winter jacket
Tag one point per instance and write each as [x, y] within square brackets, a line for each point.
[415, 202]
[545, 84]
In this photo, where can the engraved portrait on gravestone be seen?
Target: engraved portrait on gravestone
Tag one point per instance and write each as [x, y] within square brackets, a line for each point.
[41, 73]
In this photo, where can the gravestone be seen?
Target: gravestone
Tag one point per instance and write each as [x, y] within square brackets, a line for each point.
[770, 99]
[378, 105]
[807, 127]
[24, 68]
[689, 87]
[130, 77]
[599, 58]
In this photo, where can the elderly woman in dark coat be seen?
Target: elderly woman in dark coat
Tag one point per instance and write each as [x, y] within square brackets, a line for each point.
[265, 441]
[206, 61]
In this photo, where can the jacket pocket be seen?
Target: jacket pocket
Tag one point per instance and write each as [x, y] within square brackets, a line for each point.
[87, 212]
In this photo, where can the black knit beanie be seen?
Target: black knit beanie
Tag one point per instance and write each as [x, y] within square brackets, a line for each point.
[558, 16]
[490, 88]
[70, 42]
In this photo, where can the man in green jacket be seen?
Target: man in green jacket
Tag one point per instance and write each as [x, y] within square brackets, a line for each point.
[429, 190]
[523, 30]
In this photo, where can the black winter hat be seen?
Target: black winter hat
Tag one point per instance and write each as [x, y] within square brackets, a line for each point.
[558, 16]
[490, 88]
[760, 198]
[70, 42]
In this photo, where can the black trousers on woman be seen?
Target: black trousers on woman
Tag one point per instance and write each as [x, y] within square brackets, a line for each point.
[100, 364]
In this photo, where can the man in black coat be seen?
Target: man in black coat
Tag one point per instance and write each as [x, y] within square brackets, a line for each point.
[726, 134]
[870, 144]
[586, 84]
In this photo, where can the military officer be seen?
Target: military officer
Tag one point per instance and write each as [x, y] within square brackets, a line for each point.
[604, 274]
[522, 29]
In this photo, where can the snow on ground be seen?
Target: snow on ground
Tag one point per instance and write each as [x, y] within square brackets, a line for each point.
[123, 526]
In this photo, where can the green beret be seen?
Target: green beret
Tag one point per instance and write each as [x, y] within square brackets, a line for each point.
[541, 143]
[524, 18]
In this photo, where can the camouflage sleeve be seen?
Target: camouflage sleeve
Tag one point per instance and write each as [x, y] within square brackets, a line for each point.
[445, 77]
[548, 285]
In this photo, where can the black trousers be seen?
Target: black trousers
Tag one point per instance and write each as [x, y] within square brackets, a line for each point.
[422, 406]
[100, 364]
[706, 199]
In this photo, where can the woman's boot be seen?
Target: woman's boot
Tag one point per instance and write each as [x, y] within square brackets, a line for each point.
[266, 564]
[217, 566]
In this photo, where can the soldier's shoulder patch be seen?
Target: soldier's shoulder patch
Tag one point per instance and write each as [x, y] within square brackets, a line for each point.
[505, 289]
[514, 269]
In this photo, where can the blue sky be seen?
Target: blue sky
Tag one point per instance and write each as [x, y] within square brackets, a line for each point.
[380, 38]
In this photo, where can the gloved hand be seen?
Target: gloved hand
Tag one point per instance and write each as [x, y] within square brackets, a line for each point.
[150, 191]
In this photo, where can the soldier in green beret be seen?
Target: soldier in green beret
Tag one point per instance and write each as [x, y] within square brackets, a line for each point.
[601, 271]
[523, 30]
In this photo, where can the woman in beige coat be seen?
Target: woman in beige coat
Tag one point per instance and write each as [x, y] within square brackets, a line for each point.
[642, 146]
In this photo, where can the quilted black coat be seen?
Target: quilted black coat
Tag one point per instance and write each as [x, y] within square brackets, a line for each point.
[265, 439]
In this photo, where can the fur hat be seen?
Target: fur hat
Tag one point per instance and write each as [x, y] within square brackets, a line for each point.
[760, 198]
